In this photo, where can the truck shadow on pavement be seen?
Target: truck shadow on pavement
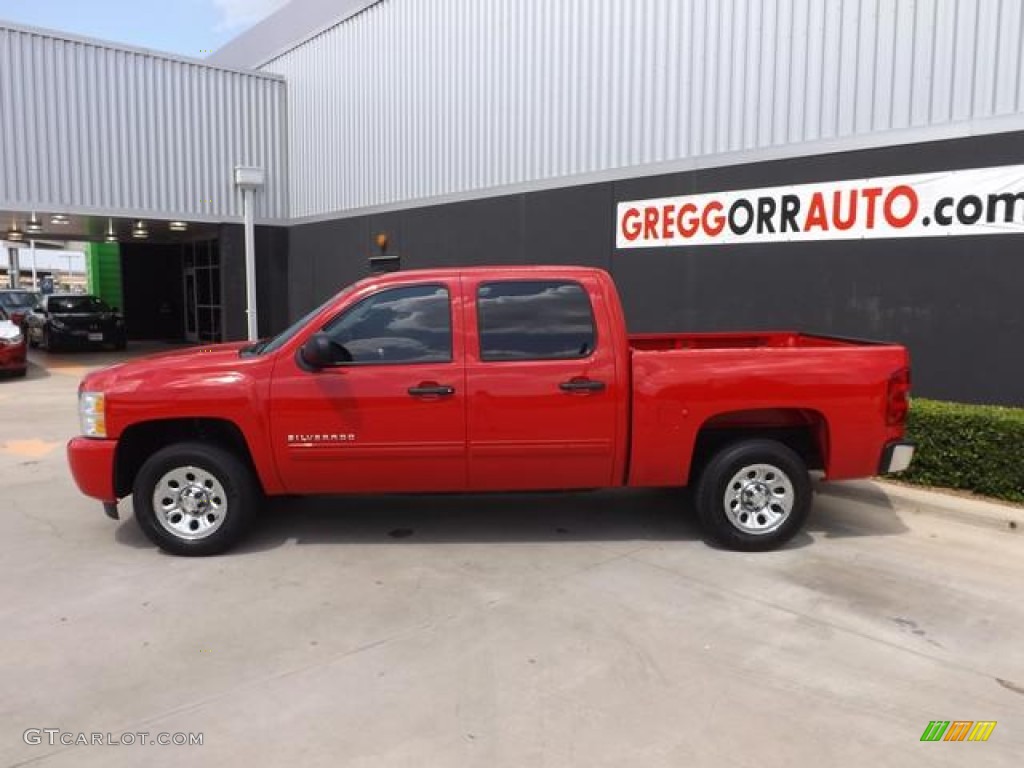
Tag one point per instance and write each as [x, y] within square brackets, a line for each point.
[635, 515]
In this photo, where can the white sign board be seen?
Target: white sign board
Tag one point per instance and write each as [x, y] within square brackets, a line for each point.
[980, 201]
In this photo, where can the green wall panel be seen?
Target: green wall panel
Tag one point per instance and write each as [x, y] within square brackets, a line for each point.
[103, 272]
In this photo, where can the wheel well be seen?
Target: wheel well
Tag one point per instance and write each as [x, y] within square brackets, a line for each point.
[140, 441]
[804, 431]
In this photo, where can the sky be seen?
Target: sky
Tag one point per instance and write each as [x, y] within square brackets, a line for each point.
[187, 27]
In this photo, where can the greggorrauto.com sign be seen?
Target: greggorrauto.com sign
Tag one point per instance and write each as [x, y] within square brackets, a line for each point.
[980, 201]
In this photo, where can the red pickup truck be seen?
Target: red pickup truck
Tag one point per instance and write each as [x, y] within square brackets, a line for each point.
[481, 380]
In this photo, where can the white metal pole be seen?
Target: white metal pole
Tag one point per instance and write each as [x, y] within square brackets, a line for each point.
[250, 263]
[35, 282]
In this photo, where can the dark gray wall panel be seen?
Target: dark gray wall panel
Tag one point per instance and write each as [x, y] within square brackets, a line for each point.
[569, 226]
[272, 275]
[300, 274]
[425, 234]
[232, 262]
[953, 301]
[489, 231]
[335, 253]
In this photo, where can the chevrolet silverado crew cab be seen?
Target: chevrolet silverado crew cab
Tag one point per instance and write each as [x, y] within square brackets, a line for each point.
[488, 380]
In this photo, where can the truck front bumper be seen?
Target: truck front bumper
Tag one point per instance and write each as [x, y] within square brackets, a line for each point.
[896, 457]
[92, 466]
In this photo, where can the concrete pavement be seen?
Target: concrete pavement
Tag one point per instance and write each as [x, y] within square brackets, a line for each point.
[535, 630]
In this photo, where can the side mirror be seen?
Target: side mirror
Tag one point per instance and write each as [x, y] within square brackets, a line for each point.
[316, 352]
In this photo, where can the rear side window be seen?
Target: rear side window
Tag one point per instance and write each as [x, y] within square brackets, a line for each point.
[534, 320]
[398, 325]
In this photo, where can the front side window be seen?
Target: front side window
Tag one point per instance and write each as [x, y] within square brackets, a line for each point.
[398, 325]
[535, 320]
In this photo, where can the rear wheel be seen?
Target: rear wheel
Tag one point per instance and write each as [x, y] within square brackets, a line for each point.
[194, 499]
[754, 495]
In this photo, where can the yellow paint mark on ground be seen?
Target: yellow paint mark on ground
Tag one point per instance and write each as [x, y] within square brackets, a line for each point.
[33, 449]
[67, 369]
[76, 371]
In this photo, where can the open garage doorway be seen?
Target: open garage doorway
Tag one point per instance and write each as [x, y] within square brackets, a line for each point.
[172, 291]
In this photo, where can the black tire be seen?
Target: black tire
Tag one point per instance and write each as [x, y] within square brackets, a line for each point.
[32, 343]
[120, 344]
[226, 480]
[754, 495]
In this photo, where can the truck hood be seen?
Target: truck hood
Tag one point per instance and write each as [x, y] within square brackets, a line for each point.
[184, 367]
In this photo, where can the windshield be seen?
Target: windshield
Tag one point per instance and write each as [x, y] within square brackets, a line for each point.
[17, 299]
[274, 343]
[76, 304]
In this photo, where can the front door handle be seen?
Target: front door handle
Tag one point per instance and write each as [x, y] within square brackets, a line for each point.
[581, 385]
[429, 389]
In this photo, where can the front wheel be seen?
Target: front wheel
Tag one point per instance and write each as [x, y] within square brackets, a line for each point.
[754, 495]
[194, 499]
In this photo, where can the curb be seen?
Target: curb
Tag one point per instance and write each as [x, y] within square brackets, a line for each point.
[915, 500]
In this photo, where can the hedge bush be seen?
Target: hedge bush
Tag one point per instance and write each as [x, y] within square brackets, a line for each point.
[976, 448]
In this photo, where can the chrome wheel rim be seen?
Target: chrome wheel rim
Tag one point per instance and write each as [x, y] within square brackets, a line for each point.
[759, 499]
[190, 503]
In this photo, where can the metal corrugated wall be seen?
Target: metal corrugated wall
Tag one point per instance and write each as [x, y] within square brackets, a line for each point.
[414, 99]
[86, 127]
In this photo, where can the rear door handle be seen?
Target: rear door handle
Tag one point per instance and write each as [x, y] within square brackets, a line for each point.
[581, 385]
[431, 390]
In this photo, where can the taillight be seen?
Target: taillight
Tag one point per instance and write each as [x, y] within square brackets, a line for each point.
[897, 400]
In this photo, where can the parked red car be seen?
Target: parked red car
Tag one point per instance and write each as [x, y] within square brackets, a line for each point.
[478, 380]
[13, 358]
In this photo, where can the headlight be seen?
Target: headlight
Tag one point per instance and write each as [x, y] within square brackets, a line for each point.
[12, 341]
[92, 414]
[57, 324]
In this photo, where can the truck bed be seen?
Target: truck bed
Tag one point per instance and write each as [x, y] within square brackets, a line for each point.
[686, 384]
[655, 342]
